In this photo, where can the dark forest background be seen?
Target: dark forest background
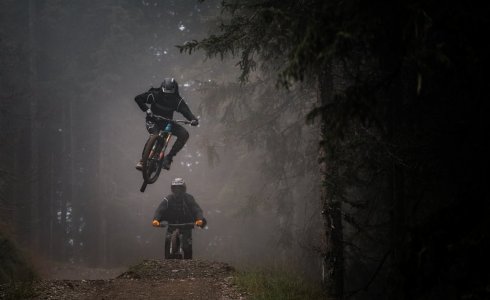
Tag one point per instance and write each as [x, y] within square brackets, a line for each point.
[72, 133]
[342, 140]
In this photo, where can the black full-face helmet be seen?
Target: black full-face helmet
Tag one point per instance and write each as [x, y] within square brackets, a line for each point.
[170, 86]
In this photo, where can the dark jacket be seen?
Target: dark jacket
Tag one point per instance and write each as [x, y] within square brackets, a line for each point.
[164, 104]
[178, 210]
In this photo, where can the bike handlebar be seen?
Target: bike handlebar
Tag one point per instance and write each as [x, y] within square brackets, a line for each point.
[182, 225]
[170, 120]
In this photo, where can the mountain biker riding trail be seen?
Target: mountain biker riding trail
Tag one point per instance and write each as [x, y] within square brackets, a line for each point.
[179, 207]
[164, 101]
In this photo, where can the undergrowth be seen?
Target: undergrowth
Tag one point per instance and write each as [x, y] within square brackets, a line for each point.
[261, 285]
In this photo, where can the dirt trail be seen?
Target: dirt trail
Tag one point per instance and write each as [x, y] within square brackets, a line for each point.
[152, 279]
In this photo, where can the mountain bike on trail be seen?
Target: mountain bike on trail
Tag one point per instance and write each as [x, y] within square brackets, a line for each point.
[179, 212]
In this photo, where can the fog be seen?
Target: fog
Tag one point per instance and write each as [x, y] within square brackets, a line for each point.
[72, 134]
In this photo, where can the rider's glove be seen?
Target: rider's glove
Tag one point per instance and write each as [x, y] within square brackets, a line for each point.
[194, 122]
[200, 223]
[155, 223]
[149, 113]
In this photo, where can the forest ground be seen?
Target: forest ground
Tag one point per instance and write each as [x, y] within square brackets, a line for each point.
[151, 279]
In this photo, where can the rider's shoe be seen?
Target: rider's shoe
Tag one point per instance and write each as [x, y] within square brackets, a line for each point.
[167, 161]
[139, 165]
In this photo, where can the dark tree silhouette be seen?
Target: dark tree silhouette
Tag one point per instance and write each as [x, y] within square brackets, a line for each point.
[409, 77]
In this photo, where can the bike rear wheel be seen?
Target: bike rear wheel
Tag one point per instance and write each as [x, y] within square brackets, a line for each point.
[152, 166]
[167, 247]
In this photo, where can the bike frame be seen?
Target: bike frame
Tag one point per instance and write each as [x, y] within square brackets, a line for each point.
[177, 234]
[164, 135]
[154, 160]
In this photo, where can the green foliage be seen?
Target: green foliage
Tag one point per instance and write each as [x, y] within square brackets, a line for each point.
[278, 286]
[402, 89]
[13, 265]
[253, 30]
[17, 291]
[303, 39]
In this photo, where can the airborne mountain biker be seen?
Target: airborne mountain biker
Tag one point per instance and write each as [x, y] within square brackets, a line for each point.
[164, 101]
[177, 208]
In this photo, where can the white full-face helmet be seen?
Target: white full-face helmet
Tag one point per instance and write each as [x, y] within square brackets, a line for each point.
[178, 184]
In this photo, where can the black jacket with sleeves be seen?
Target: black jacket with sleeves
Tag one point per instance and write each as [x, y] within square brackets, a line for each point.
[164, 104]
[178, 210]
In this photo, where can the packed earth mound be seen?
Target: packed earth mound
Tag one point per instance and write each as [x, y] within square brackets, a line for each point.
[151, 279]
[177, 269]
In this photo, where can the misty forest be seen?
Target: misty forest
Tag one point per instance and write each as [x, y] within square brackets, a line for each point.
[340, 151]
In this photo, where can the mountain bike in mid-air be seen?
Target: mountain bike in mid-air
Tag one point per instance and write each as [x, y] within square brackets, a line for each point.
[154, 151]
[175, 246]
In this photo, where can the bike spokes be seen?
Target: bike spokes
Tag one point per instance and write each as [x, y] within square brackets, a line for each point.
[151, 162]
[153, 155]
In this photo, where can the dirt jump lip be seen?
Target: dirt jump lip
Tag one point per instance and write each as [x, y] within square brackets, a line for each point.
[150, 279]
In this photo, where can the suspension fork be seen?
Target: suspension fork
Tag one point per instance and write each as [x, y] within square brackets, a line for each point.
[168, 130]
[165, 144]
[166, 141]
[175, 235]
[152, 150]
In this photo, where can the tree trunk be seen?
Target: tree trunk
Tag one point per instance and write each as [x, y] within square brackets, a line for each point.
[66, 172]
[75, 199]
[101, 193]
[34, 155]
[333, 261]
[397, 190]
[52, 207]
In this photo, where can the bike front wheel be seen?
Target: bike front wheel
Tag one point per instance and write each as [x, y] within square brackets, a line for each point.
[152, 166]
[175, 243]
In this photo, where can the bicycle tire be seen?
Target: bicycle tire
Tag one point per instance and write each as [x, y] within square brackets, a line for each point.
[167, 248]
[175, 241]
[188, 252]
[151, 168]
